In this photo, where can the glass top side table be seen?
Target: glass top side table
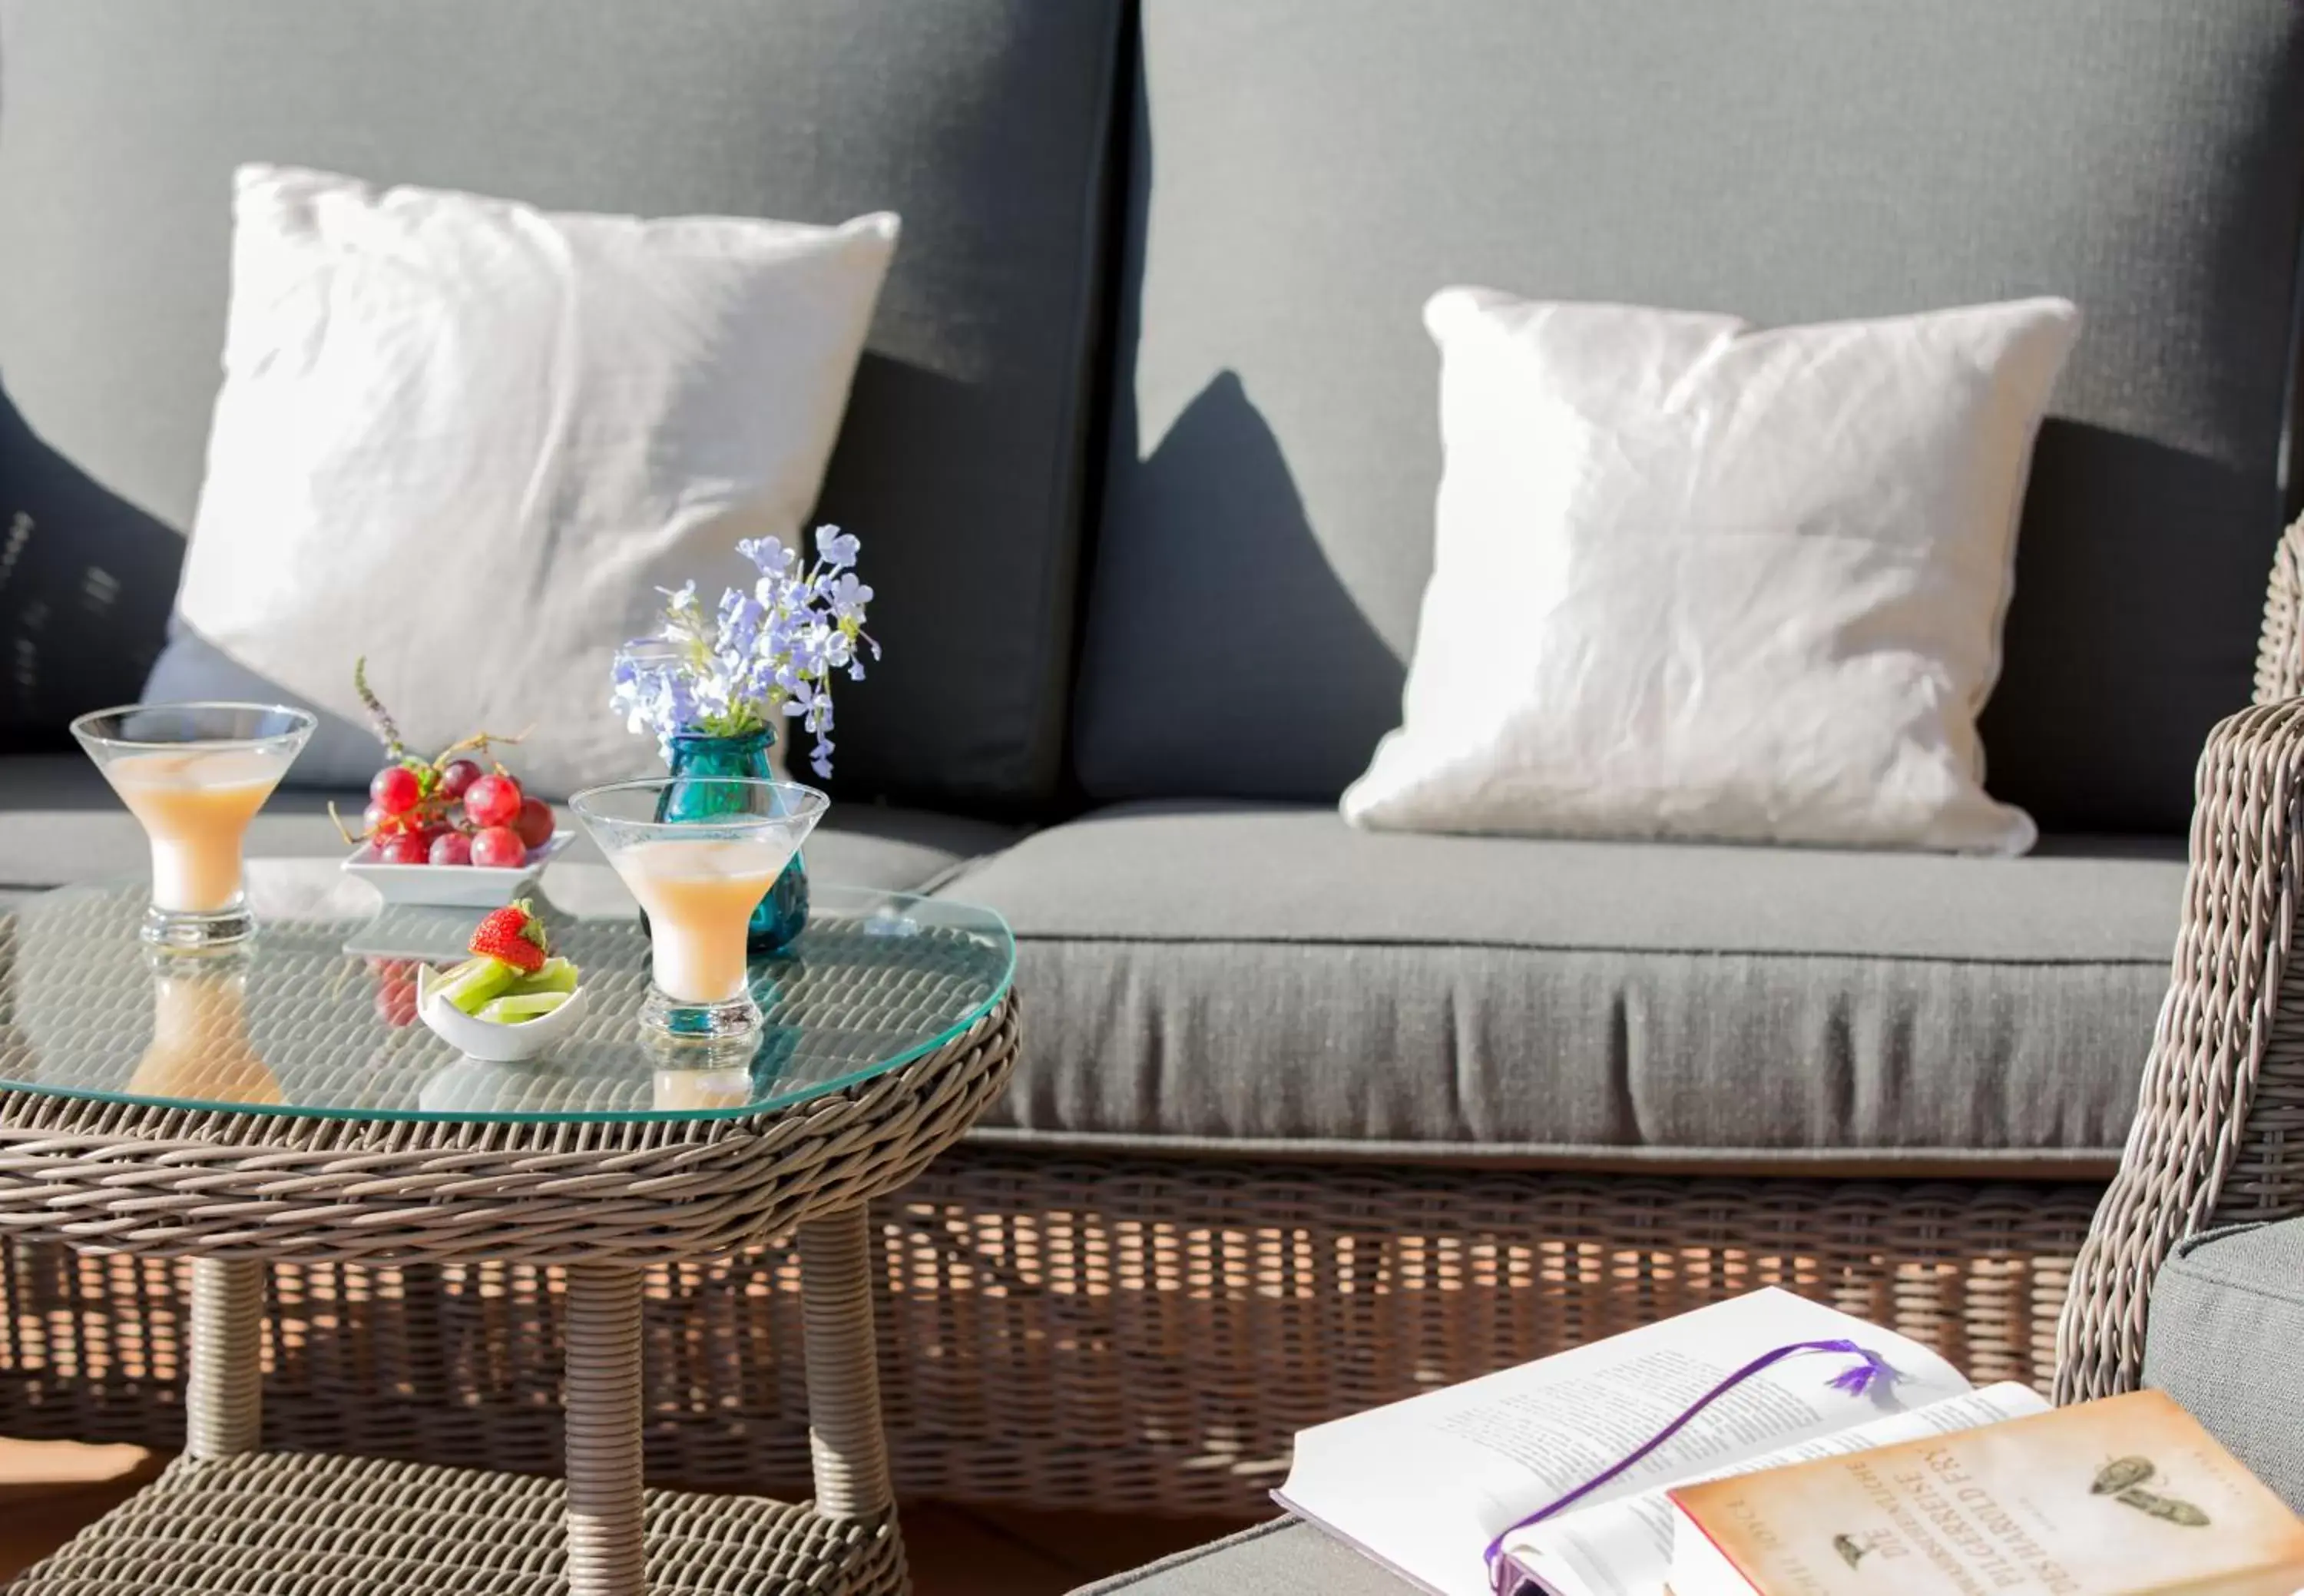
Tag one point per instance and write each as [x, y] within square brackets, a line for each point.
[283, 1104]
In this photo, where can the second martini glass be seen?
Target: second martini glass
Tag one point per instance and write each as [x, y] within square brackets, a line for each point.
[700, 880]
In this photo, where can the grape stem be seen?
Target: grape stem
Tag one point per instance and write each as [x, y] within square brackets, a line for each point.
[341, 829]
[477, 742]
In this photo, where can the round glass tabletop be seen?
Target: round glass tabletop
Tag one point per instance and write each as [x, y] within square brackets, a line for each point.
[318, 1016]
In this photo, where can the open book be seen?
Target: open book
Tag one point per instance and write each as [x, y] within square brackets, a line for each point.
[1423, 1485]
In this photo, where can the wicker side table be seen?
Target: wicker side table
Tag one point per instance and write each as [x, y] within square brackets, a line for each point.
[848, 1113]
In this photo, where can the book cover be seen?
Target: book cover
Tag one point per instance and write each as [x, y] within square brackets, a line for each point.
[2126, 1495]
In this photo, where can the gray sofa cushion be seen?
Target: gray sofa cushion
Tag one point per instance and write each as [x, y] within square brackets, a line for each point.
[985, 123]
[1284, 1558]
[1309, 171]
[60, 824]
[2224, 1338]
[1265, 977]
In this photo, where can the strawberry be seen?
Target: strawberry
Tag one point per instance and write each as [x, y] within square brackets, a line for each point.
[514, 935]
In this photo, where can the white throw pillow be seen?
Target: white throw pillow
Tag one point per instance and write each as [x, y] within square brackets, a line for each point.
[470, 440]
[1697, 579]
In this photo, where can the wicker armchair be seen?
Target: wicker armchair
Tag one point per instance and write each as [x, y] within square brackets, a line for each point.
[2216, 1132]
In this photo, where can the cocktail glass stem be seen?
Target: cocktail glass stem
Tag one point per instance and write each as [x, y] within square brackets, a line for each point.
[734, 1017]
[193, 930]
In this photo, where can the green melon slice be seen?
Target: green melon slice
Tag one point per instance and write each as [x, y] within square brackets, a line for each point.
[557, 975]
[522, 1006]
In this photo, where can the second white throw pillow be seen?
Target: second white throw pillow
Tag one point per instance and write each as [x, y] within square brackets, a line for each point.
[1697, 579]
[470, 439]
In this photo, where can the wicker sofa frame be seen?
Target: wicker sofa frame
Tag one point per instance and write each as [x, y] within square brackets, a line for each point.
[1147, 1335]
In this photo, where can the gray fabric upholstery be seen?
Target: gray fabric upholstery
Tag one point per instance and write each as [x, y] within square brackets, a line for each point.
[1308, 171]
[2225, 1337]
[1264, 977]
[984, 122]
[59, 824]
[1284, 1558]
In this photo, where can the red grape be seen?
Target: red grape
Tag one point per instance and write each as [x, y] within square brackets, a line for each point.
[395, 790]
[452, 847]
[493, 801]
[457, 775]
[401, 848]
[499, 848]
[376, 824]
[534, 823]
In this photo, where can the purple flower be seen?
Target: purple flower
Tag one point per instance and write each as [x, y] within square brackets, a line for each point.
[845, 596]
[760, 658]
[769, 554]
[835, 548]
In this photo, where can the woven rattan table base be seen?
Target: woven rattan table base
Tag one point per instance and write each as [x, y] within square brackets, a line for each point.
[237, 1190]
[264, 1524]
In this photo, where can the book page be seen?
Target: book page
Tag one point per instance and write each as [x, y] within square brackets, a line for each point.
[1423, 1485]
[1624, 1548]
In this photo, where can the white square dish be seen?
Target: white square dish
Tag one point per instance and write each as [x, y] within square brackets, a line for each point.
[455, 886]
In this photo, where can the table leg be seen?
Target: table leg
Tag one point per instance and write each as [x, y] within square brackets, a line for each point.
[223, 1384]
[848, 1445]
[606, 1557]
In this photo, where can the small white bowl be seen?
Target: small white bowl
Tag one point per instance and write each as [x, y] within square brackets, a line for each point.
[455, 886]
[483, 1039]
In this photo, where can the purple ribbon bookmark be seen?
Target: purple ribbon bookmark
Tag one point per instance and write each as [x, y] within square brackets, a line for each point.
[1505, 1577]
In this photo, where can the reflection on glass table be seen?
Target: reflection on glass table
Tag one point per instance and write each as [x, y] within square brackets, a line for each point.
[199, 1045]
[317, 1016]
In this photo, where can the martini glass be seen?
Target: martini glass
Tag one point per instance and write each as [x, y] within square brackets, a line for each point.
[698, 880]
[194, 774]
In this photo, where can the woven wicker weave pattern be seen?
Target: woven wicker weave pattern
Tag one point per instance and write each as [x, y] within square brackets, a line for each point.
[1130, 1334]
[603, 1431]
[224, 1389]
[262, 1525]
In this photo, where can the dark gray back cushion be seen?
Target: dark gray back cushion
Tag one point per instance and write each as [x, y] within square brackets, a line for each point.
[1307, 172]
[984, 122]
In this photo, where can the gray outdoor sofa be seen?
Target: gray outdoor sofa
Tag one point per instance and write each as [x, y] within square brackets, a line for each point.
[1143, 455]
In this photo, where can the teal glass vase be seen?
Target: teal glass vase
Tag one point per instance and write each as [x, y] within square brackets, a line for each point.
[783, 914]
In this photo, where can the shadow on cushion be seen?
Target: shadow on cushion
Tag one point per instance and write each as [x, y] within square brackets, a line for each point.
[86, 580]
